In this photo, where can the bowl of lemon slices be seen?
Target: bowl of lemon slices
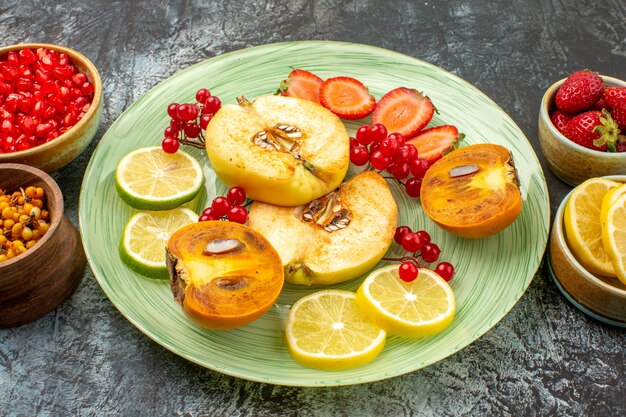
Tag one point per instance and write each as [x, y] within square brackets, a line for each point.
[587, 249]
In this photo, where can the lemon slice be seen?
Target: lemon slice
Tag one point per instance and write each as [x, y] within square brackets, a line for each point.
[614, 231]
[151, 179]
[583, 227]
[422, 307]
[327, 330]
[145, 237]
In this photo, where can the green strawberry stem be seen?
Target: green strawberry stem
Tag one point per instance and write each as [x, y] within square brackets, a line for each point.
[608, 130]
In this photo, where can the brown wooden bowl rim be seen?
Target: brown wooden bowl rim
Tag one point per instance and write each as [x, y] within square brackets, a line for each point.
[56, 218]
[95, 103]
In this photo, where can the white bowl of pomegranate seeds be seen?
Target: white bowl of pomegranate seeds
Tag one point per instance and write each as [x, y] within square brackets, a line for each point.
[50, 104]
[567, 135]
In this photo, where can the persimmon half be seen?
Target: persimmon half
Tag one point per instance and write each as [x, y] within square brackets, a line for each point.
[223, 274]
[473, 191]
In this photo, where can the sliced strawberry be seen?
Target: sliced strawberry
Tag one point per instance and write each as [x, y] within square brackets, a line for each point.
[302, 84]
[614, 95]
[347, 97]
[404, 110]
[433, 143]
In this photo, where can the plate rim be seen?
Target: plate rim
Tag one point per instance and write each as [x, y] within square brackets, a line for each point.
[327, 382]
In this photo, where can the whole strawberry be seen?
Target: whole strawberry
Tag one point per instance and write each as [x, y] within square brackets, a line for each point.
[560, 119]
[614, 96]
[579, 91]
[618, 112]
[594, 130]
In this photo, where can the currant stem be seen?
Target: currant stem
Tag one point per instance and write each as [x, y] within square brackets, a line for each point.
[404, 259]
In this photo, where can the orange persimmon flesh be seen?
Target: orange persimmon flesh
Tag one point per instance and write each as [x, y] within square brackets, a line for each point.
[227, 289]
[479, 203]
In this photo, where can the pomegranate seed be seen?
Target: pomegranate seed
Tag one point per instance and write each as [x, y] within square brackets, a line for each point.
[63, 60]
[23, 84]
[407, 271]
[6, 128]
[87, 88]
[43, 129]
[69, 120]
[27, 56]
[38, 108]
[26, 104]
[13, 58]
[49, 112]
[64, 94]
[79, 79]
[27, 125]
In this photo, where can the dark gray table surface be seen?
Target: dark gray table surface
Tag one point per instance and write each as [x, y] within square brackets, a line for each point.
[544, 358]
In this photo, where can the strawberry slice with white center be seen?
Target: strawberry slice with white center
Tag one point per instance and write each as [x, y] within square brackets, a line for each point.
[433, 143]
[302, 84]
[347, 97]
[404, 110]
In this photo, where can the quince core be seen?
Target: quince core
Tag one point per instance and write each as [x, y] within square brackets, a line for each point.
[281, 150]
[336, 238]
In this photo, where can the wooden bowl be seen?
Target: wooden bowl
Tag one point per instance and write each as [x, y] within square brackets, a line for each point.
[60, 151]
[603, 298]
[570, 161]
[37, 281]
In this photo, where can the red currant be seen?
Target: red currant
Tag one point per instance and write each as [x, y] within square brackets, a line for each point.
[412, 242]
[204, 218]
[187, 112]
[424, 235]
[379, 160]
[220, 206]
[170, 145]
[170, 132]
[399, 170]
[192, 130]
[359, 155]
[172, 111]
[209, 215]
[238, 214]
[353, 143]
[430, 252]
[364, 135]
[204, 120]
[408, 271]
[202, 95]
[378, 132]
[236, 196]
[413, 187]
[211, 105]
[400, 233]
[445, 270]
[398, 137]
[389, 146]
[374, 147]
[419, 167]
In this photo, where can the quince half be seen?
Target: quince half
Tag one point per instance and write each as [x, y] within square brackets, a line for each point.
[281, 150]
[335, 238]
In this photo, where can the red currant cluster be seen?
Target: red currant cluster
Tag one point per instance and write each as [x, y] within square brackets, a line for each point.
[42, 95]
[388, 153]
[188, 120]
[418, 244]
[227, 208]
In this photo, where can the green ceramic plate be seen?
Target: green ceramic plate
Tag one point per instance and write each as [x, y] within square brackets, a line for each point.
[492, 273]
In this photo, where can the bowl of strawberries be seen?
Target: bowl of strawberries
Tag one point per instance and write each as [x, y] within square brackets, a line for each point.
[50, 104]
[582, 127]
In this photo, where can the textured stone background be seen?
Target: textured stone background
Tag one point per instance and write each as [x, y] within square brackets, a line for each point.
[544, 358]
